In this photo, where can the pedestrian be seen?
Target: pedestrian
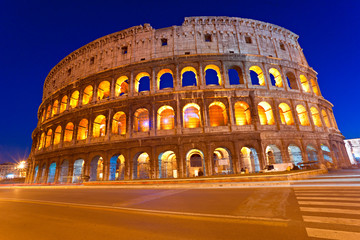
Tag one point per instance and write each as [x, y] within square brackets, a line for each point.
[200, 172]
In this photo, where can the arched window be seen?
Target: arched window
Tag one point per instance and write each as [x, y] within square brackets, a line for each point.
[48, 138]
[242, 113]
[304, 83]
[167, 165]
[83, 129]
[303, 116]
[69, 132]
[142, 82]
[314, 87]
[165, 79]
[122, 86]
[96, 169]
[99, 127]
[295, 154]
[217, 114]
[326, 118]
[57, 135]
[42, 141]
[43, 116]
[316, 117]
[188, 77]
[250, 160]
[63, 104]
[195, 163]
[265, 114]
[275, 78]
[326, 153]
[74, 99]
[191, 116]
[119, 123]
[48, 112]
[273, 154]
[141, 169]
[87, 95]
[165, 118]
[235, 75]
[257, 76]
[291, 80]
[285, 114]
[55, 108]
[311, 153]
[212, 75]
[141, 120]
[103, 91]
[78, 170]
[222, 161]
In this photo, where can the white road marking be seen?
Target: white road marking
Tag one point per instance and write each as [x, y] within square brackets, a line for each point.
[332, 220]
[330, 210]
[332, 234]
[330, 198]
[344, 204]
[327, 194]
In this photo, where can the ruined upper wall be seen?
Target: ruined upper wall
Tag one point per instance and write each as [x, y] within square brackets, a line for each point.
[144, 43]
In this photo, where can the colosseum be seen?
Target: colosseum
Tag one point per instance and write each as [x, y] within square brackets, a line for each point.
[214, 96]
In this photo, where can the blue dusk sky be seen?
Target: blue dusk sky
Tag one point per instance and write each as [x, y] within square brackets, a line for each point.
[35, 35]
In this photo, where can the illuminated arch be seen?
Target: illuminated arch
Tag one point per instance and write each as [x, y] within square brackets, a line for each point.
[217, 114]
[43, 115]
[195, 161]
[48, 112]
[164, 76]
[326, 153]
[165, 118]
[167, 165]
[69, 132]
[295, 154]
[141, 120]
[83, 129]
[88, 95]
[286, 114]
[302, 115]
[121, 86]
[257, 76]
[311, 153]
[276, 77]
[222, 161]
[51, 173]
[63, 104]
[74, 99]
[326, 118]
[291, 80]
[212, 75]
[55, 108]
[117, 167]
[142, 82]
[250, 160]
[99, 128]
[235, 75]
[96, 169]
[191, 116]
[141, 169]
[48, 138]
[273, 154]
[189, 77]
[315, 87]
[103, 91]
[119, 123]
[42, 141]
[242, 113]
[78, 170]
[316, 117]
[265, 114]
[64, 171]
[304, 84]
[57, 135]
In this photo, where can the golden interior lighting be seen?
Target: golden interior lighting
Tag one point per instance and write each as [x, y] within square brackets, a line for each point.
[314, 87]
[63, 104]
[74, 99]
[160, 73]
[138, 78]
[165, 118]
[242, 113]
[167, 164]
[48, 138]
[103, 91]
[99, 169]
[316, 117]
[99, 128]
[303, 116]
[304, 83]
[265, 114]
[119, 123]
[57, 135]
[48, 112]
[189, 69]
[141, 120]
[216, 69]
[217, 114]
[277, 77]
[82, 129]
[69, 132]
[55, 108]
[260, 74]
[121, 86]
[43, 116]
[285, 114]
[326, 118]
[87, 95]
[42, 141]
[191, 115]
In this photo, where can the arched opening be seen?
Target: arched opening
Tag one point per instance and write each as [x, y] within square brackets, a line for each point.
[242, 113]
[42, 141]
[87, 95]
[285, 114]
[191, 115]
[63, 104]
[314, 87]
[222, 161]
[48, 112]
[250, 160]
[64, 171]
[51, 174]
[48, 138]
[327, 156]
[235, 76]
[311, 153]
[99, 128]
[57, 136]
[295, 154]
[165, 79]
[167, 165]
[303, 116]
[265, 114]
[165, 118]
[43, 176]
[326, 118]
[316, 117]
[217, 114]
[96, 169]
[119, 123]
[188, 77]
[304, 83]
[195, 163]
[103, 91]
[142, 82]
[273, 154]
[78, 171]
[257, 76]
[43, 116]
[36, 170]
[275, 78]
[141, 168]
[74, 99]
[69, 132]
[290, 77]
[55, 108]
[141, 120]
[122, 86]
[82, 129]
[212, 75]
[117, 167]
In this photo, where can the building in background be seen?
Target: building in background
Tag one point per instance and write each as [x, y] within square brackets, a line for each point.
[10, 170]
[353, 150]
